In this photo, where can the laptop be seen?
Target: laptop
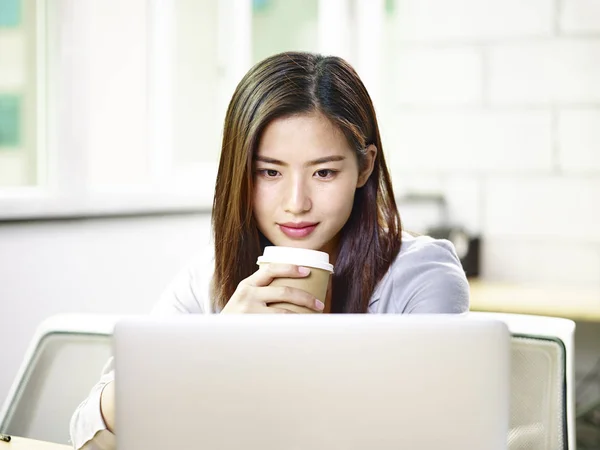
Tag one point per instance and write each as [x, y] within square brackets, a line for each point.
[318, 382]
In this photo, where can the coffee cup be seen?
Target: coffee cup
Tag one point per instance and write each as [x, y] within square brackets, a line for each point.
[315, 283]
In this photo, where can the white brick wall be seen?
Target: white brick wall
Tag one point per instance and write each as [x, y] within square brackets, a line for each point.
[432, 76]
[553, 71]
[580, 16]
[473, 142]
[463, 196]
[440, 20]
[564, 208]
[579, 141]
[496, 104]
[540, 260]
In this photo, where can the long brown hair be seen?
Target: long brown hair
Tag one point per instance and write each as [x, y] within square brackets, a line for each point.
[288, 84]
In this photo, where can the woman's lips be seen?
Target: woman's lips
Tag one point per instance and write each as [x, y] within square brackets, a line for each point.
[297, 231]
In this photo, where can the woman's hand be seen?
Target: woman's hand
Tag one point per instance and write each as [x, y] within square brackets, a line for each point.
[254, 295]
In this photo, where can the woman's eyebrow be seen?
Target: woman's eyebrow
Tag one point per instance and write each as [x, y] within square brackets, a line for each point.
[325, 159]
[315, 162]
[268, 160]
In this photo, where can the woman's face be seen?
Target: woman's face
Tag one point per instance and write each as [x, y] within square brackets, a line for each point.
[305, 177]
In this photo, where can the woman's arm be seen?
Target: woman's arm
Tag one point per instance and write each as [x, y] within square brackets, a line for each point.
[87, 428]
[93, 422]
[437, 282]
[426, 278]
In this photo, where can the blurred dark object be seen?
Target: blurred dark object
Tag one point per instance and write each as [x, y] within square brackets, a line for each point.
[468, 247]
[587, 414]
[588, 428]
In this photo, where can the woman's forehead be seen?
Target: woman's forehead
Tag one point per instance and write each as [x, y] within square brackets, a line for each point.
[302, 135]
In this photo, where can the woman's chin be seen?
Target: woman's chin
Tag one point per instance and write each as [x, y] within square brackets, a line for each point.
[297, 243]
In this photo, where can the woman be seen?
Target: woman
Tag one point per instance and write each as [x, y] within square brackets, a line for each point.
[301, 166]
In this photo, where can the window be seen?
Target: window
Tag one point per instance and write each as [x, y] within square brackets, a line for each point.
[110, 107]
[18, 94]
[280, 25]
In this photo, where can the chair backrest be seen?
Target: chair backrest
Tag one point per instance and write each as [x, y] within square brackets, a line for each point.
[542, 388]
[68, 352]
[63, 361]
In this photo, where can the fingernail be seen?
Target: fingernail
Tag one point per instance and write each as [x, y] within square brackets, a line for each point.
[303, 270]
[320, 305]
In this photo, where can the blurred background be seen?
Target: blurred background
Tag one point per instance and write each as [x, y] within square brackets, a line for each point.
[110, 124]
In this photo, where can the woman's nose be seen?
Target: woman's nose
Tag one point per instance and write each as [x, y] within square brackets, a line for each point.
[297, 197]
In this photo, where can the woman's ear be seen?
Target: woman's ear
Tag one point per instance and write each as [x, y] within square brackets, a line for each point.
[368, 167]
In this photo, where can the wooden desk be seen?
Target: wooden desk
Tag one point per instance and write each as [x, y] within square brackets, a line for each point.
[582, 304]
[17, 443]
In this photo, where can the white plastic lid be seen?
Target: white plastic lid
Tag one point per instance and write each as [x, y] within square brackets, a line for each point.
[296, 256]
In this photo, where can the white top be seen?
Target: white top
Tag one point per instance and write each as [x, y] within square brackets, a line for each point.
[425, 277]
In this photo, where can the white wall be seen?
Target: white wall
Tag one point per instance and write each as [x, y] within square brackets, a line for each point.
[497, 104]
[88, 266]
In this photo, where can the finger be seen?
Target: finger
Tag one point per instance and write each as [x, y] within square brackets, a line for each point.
[275, 310]
[287, 294]
[268, 272]
[293, 308]
[268, 310]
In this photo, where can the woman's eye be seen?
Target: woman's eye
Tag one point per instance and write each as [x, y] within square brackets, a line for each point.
[325, 173]
[269, 173]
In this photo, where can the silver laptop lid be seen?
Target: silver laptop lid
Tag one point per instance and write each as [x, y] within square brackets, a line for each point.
[319, 382]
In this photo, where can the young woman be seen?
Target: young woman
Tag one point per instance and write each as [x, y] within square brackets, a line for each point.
[302, 165]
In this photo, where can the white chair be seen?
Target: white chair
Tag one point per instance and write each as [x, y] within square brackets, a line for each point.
[542, 381]
[62, 363]
[68, 352]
